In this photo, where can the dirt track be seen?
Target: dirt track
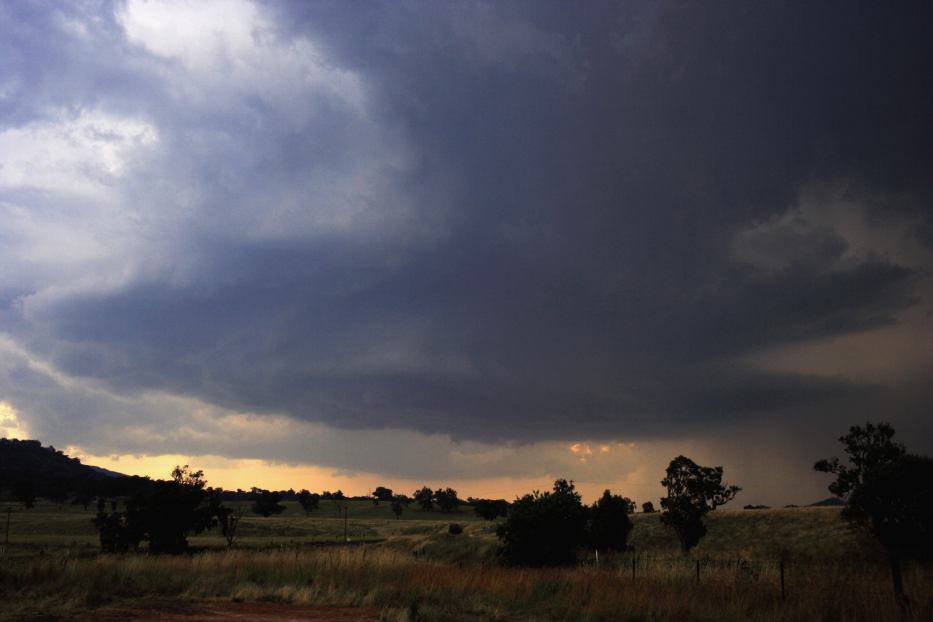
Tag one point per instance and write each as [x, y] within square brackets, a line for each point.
[258, 612]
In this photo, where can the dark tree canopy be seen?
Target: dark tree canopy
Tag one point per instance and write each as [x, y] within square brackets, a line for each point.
[868, 449]
[266, 503]
[308, 501]
[490, 509]
[163, 512]
[692, 492]
[425, 498]
[647, 507]
[895, 503]
[544, 529]
[381, 493]
[446, 499]
[889, 493]
[609, 525]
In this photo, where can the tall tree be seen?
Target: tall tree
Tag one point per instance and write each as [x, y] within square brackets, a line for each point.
[889, 494]
[692, 492]
[609, 524]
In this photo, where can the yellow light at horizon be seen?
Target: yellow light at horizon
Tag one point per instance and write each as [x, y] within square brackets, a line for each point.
[234, 473]
[10, 424]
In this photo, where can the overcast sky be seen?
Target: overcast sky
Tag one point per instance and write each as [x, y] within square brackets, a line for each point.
[484, 243]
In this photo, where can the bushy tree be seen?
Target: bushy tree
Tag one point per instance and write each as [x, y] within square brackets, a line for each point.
[490, 509]
[868, 449]
[889, 493]
[119, 532]
[544, 529]
[397, 507]
[647, 507]
[609, 524]
[692, 492]
[381, 493]
[308, 501]
[163, 512]
[446, 499]
[266, 503]
[175, 509]
[425, 498]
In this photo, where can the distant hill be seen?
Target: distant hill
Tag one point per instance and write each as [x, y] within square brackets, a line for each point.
[830, 501]
[107, 472]
[29, 457]
[49, 473]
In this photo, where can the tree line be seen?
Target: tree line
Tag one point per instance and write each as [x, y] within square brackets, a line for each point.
[888, 494]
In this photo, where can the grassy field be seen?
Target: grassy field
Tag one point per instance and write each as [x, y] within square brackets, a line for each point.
[413, 569]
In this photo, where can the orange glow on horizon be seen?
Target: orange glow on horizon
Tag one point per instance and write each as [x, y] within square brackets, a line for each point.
[233, 473]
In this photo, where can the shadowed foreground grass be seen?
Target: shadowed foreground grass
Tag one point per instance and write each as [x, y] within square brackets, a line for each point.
[409, 588]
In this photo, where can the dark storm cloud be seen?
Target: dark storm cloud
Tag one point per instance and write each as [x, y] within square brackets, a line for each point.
[554, 255]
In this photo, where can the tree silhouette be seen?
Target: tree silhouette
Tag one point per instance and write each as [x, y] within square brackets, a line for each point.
[692, 492]
[308, 501]
[446, 499]
[424, 498]
[266, 503]
[889, 494]
[381, 493]
[647, 507]
[544, 529]
[490, 509]
[609, 525]
[163, 512]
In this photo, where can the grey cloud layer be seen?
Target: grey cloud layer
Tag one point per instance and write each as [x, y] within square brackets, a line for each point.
[499, 222]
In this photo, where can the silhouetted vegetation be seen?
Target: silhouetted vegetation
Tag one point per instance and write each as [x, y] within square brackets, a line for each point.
[308, 501]
[446, 499]
[397, 507]
[889, 493]
[609, 523]
[424, 497]
[381, 493]
[692, 492]
[647, 507]
[490, 509]
[544, 529]
[163, 512]
[266, 503]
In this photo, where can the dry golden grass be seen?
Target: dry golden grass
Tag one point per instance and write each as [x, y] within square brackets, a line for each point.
[404, 586]
[419, 571]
